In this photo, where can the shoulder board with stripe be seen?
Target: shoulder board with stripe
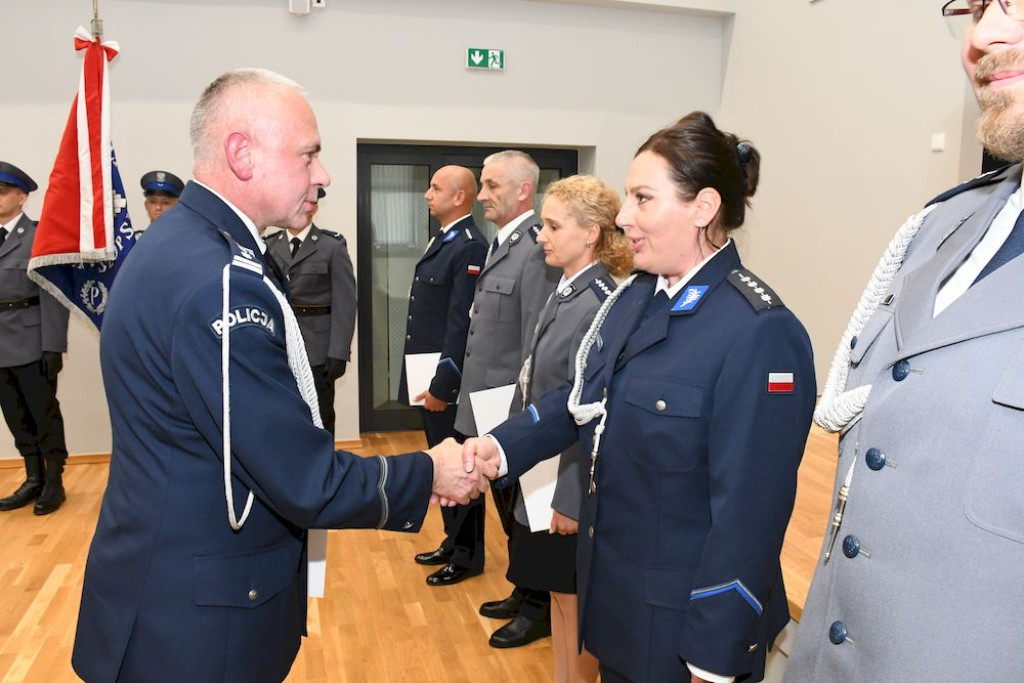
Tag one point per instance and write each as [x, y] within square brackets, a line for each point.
[244, 258]
[996, 176]
[603, 286]
[330, 233]
[760, 296]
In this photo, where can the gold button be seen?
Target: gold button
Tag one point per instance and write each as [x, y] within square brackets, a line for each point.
[590, 532]
[660, 405]
[254, 594]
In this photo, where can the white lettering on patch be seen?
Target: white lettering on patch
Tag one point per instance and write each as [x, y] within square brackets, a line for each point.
[245, 315]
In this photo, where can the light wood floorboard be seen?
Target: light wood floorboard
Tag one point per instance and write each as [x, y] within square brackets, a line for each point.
[379, 620]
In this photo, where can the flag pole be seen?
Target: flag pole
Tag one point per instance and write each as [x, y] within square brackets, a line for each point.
[97, 23]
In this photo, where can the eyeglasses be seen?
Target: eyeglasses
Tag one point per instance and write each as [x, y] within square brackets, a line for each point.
[976, 8]
[960, 14]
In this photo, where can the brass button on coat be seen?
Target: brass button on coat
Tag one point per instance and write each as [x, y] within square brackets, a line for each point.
[660, 405]
[254, 594]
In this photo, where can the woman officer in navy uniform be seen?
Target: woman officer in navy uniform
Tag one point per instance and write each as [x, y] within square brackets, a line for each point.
[693, 397]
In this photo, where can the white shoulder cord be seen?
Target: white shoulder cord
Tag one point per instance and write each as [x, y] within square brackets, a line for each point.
[839, 408]
[297, 361]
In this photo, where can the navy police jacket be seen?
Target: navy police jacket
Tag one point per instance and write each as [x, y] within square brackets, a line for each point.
[171, 592]
[439, 300]
[678, 551]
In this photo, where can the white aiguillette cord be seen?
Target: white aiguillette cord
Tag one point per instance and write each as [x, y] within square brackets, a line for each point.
[298, 362]
[838, 407]
[588, 411]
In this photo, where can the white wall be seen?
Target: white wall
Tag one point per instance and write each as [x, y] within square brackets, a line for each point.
[842, 99]
[602, 77]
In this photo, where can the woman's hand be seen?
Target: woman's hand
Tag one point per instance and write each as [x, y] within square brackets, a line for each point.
[565, 526]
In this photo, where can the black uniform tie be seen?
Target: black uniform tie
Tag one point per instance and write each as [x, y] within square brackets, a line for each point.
[296, 243]
[1010, 249]
[3, 236]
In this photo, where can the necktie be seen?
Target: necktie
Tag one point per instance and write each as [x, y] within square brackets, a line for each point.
[296, 243]
[3, 236]
[493, 248]
[1011, 248]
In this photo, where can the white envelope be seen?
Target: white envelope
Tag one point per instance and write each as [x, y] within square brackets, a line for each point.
[419, 371]
[538, 487]
[491, 406]
[316, 547]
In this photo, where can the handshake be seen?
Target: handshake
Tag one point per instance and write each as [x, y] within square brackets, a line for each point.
[463, 472]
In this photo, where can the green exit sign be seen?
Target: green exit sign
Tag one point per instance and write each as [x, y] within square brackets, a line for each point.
[485, 58]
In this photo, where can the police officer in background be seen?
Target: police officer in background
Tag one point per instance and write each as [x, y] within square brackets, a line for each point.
[161, 190]
[33, 335]
[323, 296]
[439, 300]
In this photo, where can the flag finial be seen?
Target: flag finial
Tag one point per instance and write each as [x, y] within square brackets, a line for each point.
[97, 23]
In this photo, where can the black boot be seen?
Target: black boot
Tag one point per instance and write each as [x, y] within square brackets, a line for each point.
[53, 488]
[30, 489]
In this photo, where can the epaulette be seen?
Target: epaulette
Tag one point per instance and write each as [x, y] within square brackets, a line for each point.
[535, 230]
[469, 235]
[330, 233]
[244, 258]
[984, 179]
[603, 286]
[276, 236]
[760, 296]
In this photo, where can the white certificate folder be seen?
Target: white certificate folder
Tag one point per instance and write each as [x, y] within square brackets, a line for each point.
[490, 408]
[419, 372]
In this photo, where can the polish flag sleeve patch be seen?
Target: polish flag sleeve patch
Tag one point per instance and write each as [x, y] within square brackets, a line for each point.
[780, 382]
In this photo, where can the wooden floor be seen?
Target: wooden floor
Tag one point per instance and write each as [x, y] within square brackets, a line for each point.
[379, 620]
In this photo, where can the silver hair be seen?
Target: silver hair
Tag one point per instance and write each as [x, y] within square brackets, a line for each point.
[210, 102]
[523, 165]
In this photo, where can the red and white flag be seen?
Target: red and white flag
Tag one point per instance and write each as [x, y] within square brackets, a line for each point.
[780, 382]
[84, 232]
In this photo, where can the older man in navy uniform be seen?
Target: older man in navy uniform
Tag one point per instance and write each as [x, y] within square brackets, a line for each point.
[323, 297]
[161, 190]
[439, 301]
[33, 335]
[197, 570]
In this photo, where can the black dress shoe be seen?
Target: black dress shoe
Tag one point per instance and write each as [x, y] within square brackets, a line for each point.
[501, 609]
[439, 556]
[520, 631]
[450, 575]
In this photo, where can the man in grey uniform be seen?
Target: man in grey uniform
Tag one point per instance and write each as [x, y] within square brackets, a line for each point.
[33, 335]
[323, 297]
[511, 292]
[920, 575]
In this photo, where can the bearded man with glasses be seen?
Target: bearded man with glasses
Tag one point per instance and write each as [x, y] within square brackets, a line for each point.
[920, 576]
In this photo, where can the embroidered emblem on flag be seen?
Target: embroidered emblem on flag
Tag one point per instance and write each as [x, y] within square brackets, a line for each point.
[780, 382]
[473, 270]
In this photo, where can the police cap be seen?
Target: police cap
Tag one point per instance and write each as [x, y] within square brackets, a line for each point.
[12, 176]
[163, 182]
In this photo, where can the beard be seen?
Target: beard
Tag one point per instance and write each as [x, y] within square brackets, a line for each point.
[1001, 124]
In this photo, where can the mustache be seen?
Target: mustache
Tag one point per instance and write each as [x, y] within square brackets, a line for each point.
[994, 63]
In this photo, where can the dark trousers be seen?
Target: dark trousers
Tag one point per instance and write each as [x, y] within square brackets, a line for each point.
[324, 396]
[30, 407]
[533, 604]
[463, 524]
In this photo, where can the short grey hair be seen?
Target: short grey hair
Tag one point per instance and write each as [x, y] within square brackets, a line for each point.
[212, 99]
[522, 165]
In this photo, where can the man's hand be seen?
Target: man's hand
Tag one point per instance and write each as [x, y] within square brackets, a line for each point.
[454, 480]
[334, 369]
[53, 362]
[562, 525]
[481, 448]
[431, 402]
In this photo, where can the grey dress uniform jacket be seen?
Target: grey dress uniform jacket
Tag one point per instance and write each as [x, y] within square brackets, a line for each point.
[26, 329]
[510, 294]
[552, 362]
[323, 291]
[925, 581]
